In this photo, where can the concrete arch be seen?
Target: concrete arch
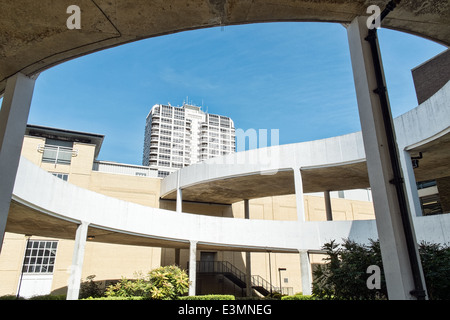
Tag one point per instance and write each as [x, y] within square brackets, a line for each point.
[35, 37]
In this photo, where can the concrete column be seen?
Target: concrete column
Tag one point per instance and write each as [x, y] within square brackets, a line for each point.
[179, 194]
[73, 288]
[443, 185]
[192, 267]
[248, 258]
[394, 248]
[13, 121]
[177, 256]
[328, 209]
[299, 195]
[410, 184]
[306, 274]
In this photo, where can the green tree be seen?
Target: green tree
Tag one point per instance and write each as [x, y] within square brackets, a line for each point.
[436, 268]
[344, 275]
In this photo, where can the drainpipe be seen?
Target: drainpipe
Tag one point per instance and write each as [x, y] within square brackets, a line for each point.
[398, 181]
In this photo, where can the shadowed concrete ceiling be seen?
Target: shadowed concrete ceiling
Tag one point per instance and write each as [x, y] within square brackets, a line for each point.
[435, 162]
[34, 35]
[252, 186]
[25, 220]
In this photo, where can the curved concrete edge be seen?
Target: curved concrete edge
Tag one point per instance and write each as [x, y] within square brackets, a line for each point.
[420, 124]
[42, 191]
[334, 151]
[425, 122]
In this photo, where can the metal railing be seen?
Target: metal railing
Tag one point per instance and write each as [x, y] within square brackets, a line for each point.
[226, 268]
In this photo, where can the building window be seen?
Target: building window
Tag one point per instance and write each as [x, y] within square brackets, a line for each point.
[57, 151]
[162, 174]
[63, 176]
[40, 256]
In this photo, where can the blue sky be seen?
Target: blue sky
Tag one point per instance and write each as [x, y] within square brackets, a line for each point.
[295, 77]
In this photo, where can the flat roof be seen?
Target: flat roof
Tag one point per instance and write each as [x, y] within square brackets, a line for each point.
[67, 135]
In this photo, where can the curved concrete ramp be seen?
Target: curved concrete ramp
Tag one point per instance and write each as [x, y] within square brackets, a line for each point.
[47, 206]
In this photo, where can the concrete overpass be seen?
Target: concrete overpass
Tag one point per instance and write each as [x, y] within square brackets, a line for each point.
[34, 37]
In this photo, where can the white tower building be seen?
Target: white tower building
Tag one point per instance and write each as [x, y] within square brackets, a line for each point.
[179, 136]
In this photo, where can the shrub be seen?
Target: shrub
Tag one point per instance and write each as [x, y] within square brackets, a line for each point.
[48, 297]
[89, 288]
[209, 297]
[115, 298]
[298, 297]
[11, 297]
[164, 283]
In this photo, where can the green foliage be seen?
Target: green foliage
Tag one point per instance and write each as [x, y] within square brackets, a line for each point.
[41, 297]
[298, 297]
[209, 297]
[275, 295]
[49, 297]
[344, 275]
[436, 268]
[164, 283]
[115, 298]
[11, 297]
[89, 288]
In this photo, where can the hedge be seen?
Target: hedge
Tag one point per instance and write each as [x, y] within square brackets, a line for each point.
[298, 297]
[116, 298]
[208, 297]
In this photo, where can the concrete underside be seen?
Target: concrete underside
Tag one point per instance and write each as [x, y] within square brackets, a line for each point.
[435, 164]
[34, 35]
[252, 186]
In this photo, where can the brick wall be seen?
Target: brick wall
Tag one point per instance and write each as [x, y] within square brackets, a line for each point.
[431, 76]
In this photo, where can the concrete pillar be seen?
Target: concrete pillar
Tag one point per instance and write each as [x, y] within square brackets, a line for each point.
[177, 256]
[13, 121]
[306, 274]
[73, 288]
[443, 185]
[328, 209]
[192, 267]
[248, 258]
[298, 183]
[410, 184]
[397, 266]
[179, 207]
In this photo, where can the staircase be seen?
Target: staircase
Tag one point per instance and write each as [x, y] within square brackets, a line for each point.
[235, 275]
